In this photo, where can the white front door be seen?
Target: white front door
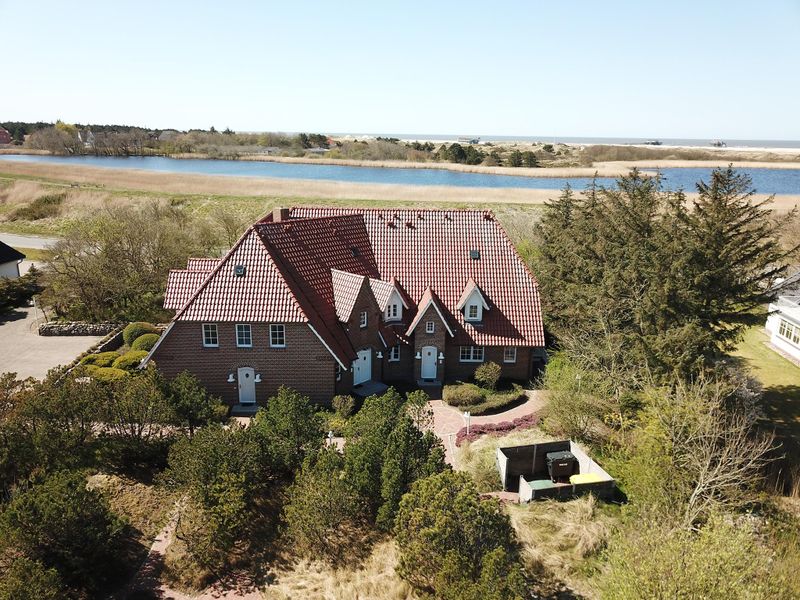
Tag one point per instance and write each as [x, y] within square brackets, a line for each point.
[362, 368]
[247, 385]
[429, 362]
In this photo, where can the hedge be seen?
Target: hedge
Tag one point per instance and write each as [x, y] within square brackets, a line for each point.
[136, 330]
[105, 373]
[145, 342]
[100, 359]
[462, 394]
[130, 360]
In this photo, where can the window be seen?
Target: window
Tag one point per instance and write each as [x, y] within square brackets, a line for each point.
[430, 327]
[789, 332]
[210, 335]
[277, 336]
[473, 312]
[510, 354]
[471, 354]
[338, 372]
[244, 335]
[362, 318]
[394, 353]
[394, 312]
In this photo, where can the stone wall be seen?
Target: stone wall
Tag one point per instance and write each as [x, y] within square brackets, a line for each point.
[77, 328]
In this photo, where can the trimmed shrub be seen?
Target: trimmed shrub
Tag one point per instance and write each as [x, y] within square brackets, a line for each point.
[130, 360]
[100, 359]
[488, 374]
[498, 400]
[476, 431]
[145, 342]
[344, 405]
[106, 374]
[462, 394]
[136, 330]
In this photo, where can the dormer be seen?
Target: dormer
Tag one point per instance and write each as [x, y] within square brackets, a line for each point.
[472, 303]
[390, 300]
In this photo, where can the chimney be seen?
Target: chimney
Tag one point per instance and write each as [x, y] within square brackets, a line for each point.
[280, 214]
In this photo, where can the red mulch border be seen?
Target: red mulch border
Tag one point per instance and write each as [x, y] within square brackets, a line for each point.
[476, 431]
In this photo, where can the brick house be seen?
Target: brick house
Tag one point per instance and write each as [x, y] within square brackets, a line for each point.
[332, 300]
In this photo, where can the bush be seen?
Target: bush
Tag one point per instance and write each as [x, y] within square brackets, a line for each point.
[462, 394]
[43, 207]
[323, 511]
[25, 579]
[130, 360]
[106, 374]
[344, 405]
[66, 527]
[191, 403]
[721, 561]
[450, 540]
[135, 330]
[145, 342]
[19, 291]
[101, 359]
[488, 374]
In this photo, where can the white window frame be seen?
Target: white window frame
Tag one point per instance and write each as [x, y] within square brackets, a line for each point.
[208, 328]
[789, 331]
[471, 354]
[338, 372]
[240, 328]
[468, 312]
[394, 353]
[394, 312]
[430, 327]
[510, 354]
[363, 319]
[274, 328]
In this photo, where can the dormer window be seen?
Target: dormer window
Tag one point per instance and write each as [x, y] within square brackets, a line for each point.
[472, 303]
[473, 312]
[362, 319]
[394, 311]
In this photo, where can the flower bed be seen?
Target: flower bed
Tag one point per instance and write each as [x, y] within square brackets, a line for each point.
[476, 431]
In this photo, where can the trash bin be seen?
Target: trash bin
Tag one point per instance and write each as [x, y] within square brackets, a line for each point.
[560, 465]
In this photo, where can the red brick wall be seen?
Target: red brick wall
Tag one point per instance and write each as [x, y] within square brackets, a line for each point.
[437, 338]
[463, 371]
[305, 364]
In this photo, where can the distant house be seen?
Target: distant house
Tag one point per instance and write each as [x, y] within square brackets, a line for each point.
[86, 137]
[783, 323]
[337, 301]
[9, 261]
[168, 135]
[5, 136]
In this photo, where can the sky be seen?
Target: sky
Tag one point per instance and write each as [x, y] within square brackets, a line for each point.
[653, 69]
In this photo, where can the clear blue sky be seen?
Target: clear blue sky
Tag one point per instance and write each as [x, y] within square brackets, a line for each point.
[700, 68]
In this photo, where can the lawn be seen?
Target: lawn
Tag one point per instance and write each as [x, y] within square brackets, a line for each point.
[780, 378]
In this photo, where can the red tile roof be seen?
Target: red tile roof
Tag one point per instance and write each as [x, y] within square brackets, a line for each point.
[346, 287]
[424, 248]
[260, 295]
[429, 298]
[202, 264]
[182, 285]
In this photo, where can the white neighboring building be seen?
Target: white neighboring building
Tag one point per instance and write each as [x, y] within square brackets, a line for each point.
[9, 261]
[783, 324]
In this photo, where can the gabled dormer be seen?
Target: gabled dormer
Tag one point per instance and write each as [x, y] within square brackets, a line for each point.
[472, 303]
[390, 299]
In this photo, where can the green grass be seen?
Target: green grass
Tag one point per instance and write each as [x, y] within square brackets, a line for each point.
[36, 254]
[780, 378]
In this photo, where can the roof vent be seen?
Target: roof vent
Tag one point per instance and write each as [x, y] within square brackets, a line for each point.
[410, 224]
[354, 250]
[447, 217]
[419, 216]
[475, 254]
[391, 224]
[239, 270]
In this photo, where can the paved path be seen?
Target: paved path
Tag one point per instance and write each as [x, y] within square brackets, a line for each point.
[27, 241]
[25, 352]
[448, 420]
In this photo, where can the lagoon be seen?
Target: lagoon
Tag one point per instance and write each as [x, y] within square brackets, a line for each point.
[765, 180]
